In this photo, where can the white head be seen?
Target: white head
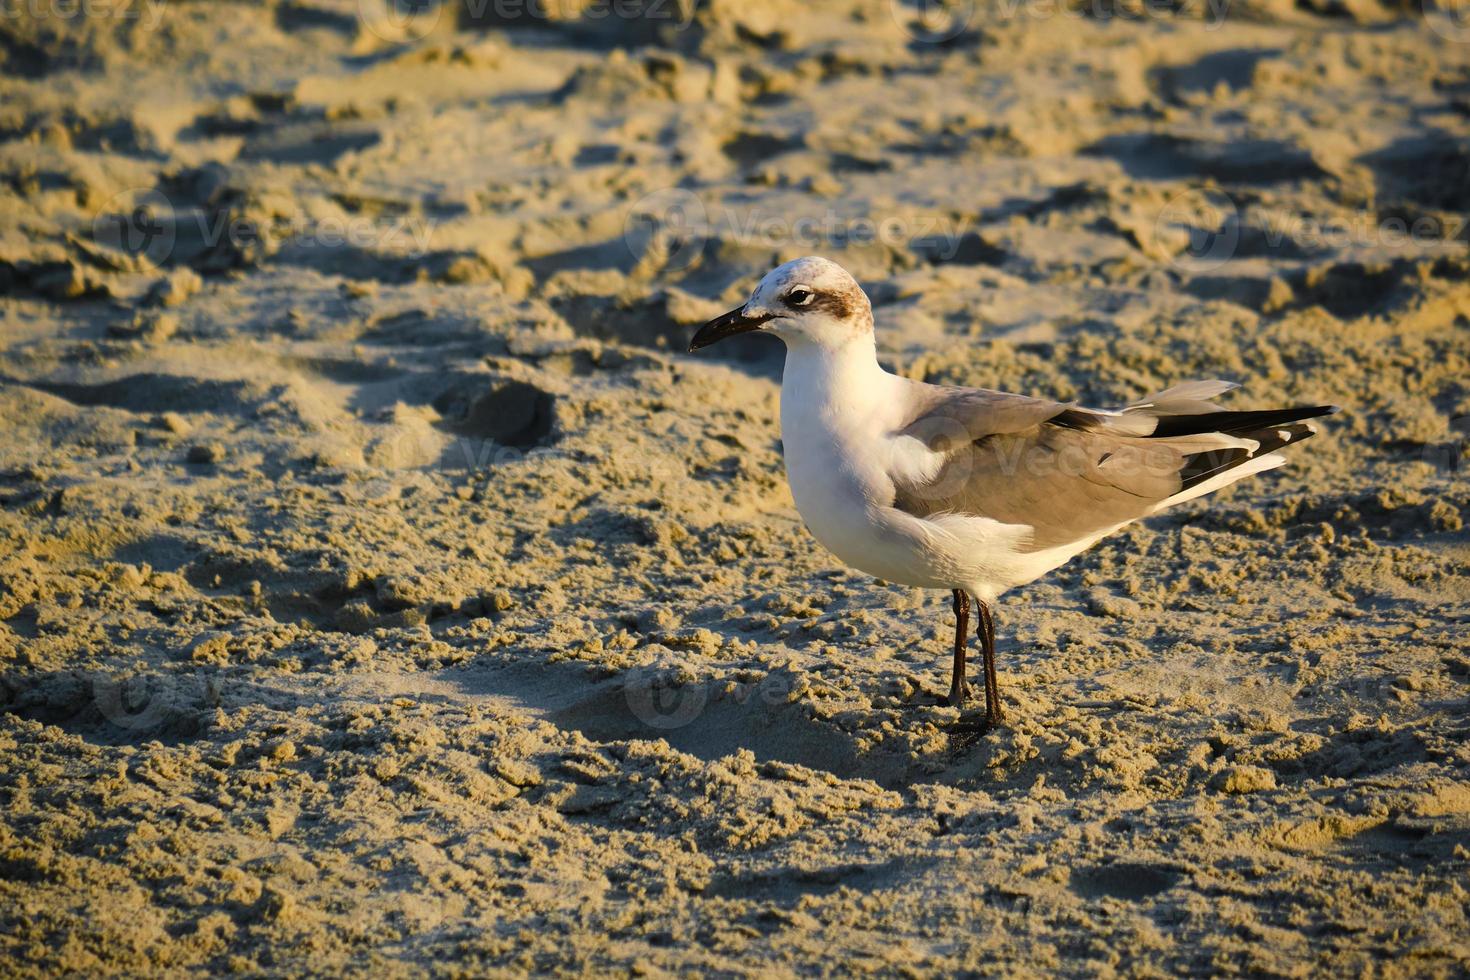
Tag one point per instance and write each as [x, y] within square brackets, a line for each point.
[810, 300]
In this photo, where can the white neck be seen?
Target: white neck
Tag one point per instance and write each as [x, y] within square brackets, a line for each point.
[835, 387]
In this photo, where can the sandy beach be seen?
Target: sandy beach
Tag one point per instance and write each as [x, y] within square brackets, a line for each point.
[384, 591]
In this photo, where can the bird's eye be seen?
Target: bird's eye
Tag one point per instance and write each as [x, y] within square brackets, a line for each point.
[799, 297]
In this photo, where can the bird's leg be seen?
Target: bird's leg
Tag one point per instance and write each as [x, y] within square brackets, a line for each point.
[957, 686]
[986, 630]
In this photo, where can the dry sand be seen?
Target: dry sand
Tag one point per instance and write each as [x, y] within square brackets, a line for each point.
[382, 590]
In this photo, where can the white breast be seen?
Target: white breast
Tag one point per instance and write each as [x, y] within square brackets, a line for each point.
[831, 489]
[840, 419]
[836, 434]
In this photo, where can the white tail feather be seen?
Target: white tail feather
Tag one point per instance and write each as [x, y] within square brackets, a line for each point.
[1258, 465]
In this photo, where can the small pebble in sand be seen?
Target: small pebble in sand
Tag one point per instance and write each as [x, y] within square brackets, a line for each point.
[1244, 779]
[205, 452]
[175, 423]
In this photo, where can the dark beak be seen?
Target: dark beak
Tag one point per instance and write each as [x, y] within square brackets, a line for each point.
[727, 326]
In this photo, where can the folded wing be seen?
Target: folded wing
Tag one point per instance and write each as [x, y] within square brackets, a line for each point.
[1072, 473]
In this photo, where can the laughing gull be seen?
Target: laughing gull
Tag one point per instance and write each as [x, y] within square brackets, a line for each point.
[971, 490]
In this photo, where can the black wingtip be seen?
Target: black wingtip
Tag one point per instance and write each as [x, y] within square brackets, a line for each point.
[1199, 467]
[1314, 411]
[1237, 423]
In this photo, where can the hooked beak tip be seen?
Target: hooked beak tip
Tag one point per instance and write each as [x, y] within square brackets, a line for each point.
[732, 323]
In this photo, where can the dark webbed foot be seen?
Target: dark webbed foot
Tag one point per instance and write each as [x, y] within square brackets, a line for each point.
[969, 730]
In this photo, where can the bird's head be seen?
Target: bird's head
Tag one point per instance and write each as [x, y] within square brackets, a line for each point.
[811, 300]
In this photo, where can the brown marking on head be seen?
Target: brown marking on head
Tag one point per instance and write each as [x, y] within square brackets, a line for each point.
[834, 304]
[815, 300]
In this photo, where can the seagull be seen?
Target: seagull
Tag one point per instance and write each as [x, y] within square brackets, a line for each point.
[971, 490]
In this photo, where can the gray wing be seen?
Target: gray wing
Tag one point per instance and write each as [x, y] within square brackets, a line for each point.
[1073, 473]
